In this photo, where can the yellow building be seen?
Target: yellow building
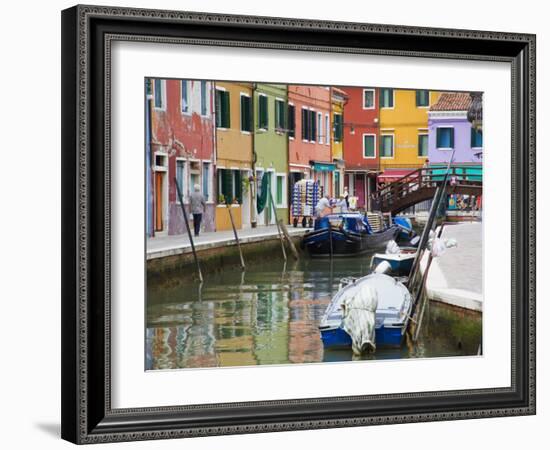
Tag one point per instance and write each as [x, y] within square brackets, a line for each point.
[234, 141]
[403, 142]
[338, 99]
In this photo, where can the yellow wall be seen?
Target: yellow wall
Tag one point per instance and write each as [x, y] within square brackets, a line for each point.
[223, 221]
[405, 121]
[234, 147]
[336, 147]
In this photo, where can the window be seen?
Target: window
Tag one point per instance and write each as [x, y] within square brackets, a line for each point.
[246, 113]
[422, 145]
[386, 98]
[159, 93]
[320, 128]
[422, 98]
[204, 104]
[476, 140]
[279, 114]
[313, 126]
[369, 146]
[262, 112]
[291, 121]
[386, 146]
[181, 178]
[185, 96]
[206, 180]
[368, 98]
[327, 128]
[279, 194]
[305, 124]
[194, 175]
[337, 127]
[222, 109]
[229, 186]
[445, 137]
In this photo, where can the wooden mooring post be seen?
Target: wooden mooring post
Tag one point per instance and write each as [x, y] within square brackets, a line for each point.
[277, 223]
[188, 229]
[235, 234]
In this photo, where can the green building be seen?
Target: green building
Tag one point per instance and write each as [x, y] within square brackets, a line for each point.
[271, 147]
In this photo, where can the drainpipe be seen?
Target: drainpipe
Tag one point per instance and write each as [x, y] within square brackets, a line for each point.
[253, 217]
[150, 187]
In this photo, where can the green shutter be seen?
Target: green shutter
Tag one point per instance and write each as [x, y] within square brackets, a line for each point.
[226, 110]
[262, 112]
[218, 108]
[313, 129]
[452, 131]
[291, 121]
[369, 146]
[304, 124]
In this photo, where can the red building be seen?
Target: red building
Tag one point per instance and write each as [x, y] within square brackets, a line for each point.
[361, 135]
[182, 147]
[309, 151]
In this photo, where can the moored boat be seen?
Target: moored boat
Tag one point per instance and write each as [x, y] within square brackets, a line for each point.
[391, 317]
[345, 234]
[400, 263]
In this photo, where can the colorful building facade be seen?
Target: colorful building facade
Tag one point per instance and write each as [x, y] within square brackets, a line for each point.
[361, 139]
[338, 100]
[182, 148]
[450, 130]
[271, 147]
[403, 141]
[234, 143]
[309, 146]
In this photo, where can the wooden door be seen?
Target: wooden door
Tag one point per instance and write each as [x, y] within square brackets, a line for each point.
[158, 201]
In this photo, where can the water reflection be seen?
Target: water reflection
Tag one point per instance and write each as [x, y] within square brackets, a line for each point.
[269, 315]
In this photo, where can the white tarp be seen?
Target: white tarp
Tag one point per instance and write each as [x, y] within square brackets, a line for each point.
[358, 319]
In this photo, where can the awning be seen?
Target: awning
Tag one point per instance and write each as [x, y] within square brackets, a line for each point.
[323, 166]
[391, 175]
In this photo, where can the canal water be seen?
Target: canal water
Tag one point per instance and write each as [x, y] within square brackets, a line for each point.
[269, 315]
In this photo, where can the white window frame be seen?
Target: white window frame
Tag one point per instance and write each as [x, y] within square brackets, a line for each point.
[393, 99]
[319, 127]
[284, 178]
[369, 134]
[290, 138]
[210, 198]
[279, 130]
[423, 132]
[189, 97]
[244, 94]
[373, 98]
[185, 187]
[382, 135]
[162, 93]
[445, 149]
[206, 85]
[222, 89]
[327, 128]
[261, 94]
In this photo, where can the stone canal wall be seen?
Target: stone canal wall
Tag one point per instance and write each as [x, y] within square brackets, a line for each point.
[218, 254]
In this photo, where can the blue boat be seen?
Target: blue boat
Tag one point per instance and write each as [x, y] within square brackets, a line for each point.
[400, 263]
[345, 234]
[391, 318]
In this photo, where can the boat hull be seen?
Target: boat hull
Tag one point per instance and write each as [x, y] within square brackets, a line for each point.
[400, 267]
[335, 242]
[335, 338]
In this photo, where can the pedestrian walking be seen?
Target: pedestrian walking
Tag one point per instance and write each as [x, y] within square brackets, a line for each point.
[197, 204]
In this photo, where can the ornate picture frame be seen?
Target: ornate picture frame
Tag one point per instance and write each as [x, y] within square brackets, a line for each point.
[87, 35]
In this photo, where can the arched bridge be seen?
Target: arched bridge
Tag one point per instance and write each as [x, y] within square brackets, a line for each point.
[421, 184]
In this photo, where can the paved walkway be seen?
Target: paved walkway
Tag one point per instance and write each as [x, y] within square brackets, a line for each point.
[159, 247]
[456, 277]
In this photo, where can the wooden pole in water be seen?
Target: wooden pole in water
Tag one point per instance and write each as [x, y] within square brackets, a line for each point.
[290, 243]
[277, 223]
[235, 234]
[188, 229]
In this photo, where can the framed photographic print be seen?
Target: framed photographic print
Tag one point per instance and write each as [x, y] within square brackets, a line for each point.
[280, 224]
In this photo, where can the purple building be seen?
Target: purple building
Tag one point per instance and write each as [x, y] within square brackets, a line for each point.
[450, 130]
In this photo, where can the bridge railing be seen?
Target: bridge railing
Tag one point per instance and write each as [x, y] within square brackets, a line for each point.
[426, 177]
